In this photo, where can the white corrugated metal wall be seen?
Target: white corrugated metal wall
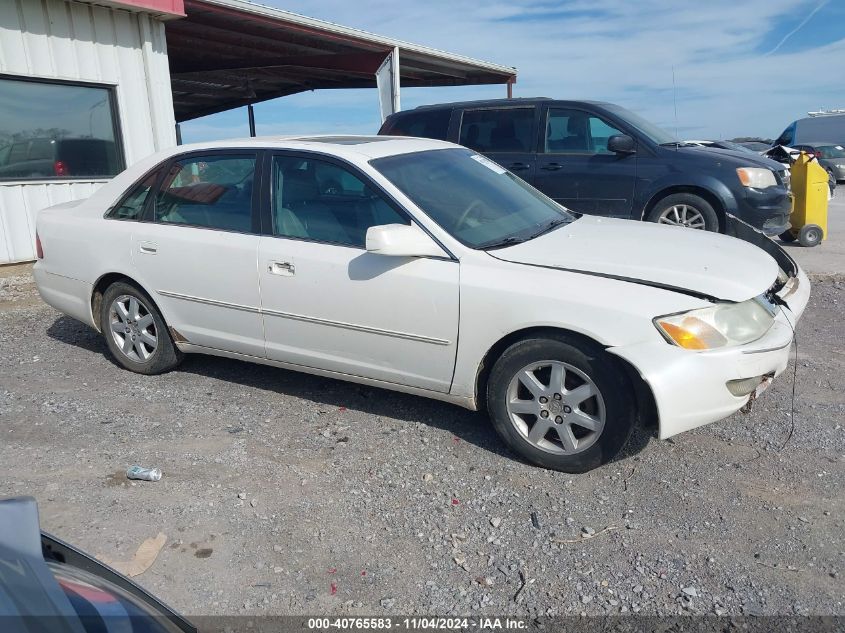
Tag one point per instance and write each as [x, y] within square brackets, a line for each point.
[64, 39]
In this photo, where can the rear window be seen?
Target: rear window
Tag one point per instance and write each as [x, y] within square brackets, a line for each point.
[427, 124]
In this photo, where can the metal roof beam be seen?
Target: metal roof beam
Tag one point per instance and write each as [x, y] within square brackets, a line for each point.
[363, 63]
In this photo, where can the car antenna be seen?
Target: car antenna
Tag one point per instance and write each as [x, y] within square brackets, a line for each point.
[675, 101]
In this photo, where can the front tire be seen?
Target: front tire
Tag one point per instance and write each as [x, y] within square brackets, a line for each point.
[135, 331]
[687, 210]
[560, 403]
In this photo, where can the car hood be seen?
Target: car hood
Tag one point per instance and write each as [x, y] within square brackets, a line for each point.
[733, 157]
[686, 260]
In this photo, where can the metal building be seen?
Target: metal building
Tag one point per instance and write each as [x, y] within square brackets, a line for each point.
[87, 87]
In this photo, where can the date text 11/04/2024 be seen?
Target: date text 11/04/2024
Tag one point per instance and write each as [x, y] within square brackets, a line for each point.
[416, 624]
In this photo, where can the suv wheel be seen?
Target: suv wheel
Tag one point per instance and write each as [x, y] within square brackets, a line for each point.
[687, 210]
[560, 404]
[135, 331]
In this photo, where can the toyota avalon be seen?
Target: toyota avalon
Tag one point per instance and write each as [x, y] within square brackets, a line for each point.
[422, 266]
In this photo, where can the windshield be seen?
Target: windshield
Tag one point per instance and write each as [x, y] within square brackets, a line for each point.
[831, 151]
[656, 134]
[471, 197]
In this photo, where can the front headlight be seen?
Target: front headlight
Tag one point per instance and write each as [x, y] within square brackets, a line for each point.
[720, 325]
[756, 177]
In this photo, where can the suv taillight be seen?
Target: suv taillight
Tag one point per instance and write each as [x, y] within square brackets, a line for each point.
[60, 168]
[39, 251]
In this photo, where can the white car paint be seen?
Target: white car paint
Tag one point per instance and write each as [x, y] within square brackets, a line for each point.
[424, 325]
[709, 260]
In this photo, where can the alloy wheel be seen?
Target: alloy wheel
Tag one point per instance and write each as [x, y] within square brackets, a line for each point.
[133, 328]
[556, 407]
[682, 215]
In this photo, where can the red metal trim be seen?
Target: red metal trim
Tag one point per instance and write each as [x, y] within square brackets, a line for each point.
[167, 7]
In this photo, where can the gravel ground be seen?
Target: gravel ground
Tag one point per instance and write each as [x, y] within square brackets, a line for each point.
[289, 494]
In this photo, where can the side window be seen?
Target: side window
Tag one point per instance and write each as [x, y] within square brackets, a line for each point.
[212, 192]
[600, 131]
[576, 132]
[427, 124]
[318, 200]
[500, 130]
[132, 205]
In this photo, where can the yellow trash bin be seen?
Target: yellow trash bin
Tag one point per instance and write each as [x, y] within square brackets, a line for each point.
[809, 202]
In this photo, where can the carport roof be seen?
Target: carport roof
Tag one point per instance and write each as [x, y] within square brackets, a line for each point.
[230, 53]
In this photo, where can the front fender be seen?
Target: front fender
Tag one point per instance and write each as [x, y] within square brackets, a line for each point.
[499, 300]
[664, 185]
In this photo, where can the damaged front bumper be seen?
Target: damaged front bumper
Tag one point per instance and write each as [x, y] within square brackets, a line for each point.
[692, 389]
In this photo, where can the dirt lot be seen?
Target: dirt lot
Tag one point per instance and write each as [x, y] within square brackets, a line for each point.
[284, 493]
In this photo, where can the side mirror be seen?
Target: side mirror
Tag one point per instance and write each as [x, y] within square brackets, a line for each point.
[402, 240]
[621, 144]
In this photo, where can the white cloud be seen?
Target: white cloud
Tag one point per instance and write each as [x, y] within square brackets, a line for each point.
[615, 50]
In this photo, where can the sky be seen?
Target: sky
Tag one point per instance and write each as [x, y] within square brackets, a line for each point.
[741, 67]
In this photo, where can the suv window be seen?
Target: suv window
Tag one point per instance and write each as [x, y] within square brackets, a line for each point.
[321, 201]
[499, 130]
[18, 152]
[575, 131]
[212, 191]
[427, 123]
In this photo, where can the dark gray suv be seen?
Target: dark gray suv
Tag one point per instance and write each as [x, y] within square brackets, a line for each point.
[602, 159]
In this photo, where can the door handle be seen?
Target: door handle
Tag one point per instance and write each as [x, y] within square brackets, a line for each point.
[148, 247]
[285, 269]
[518, 166]
[552, 166]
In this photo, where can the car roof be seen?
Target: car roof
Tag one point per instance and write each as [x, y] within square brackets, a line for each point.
[520, 101]
[351, 147]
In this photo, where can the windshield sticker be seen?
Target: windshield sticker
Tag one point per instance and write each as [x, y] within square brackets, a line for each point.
[840, 148]
[489, 164]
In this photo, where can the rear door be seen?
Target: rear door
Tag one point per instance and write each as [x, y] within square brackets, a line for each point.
[575, 168]
[198, 252]
[505, 134]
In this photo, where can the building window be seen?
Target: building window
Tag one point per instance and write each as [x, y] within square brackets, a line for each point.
[52, 130]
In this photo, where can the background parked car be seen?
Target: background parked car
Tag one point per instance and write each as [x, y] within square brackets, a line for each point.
[831, 156]
[755, 146]
[823, 126]
[64, 157]
[602, 159]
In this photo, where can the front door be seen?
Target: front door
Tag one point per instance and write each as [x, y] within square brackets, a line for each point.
[505, 134]
[198, 254]
[575, 168]
[329, 304]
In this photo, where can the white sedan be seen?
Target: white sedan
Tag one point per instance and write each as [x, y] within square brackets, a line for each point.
[421, 266]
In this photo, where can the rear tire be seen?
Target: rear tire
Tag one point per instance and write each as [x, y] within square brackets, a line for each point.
[687, 210]
[788, 236]
[584, 405]
[810, 235]
[135, 331]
